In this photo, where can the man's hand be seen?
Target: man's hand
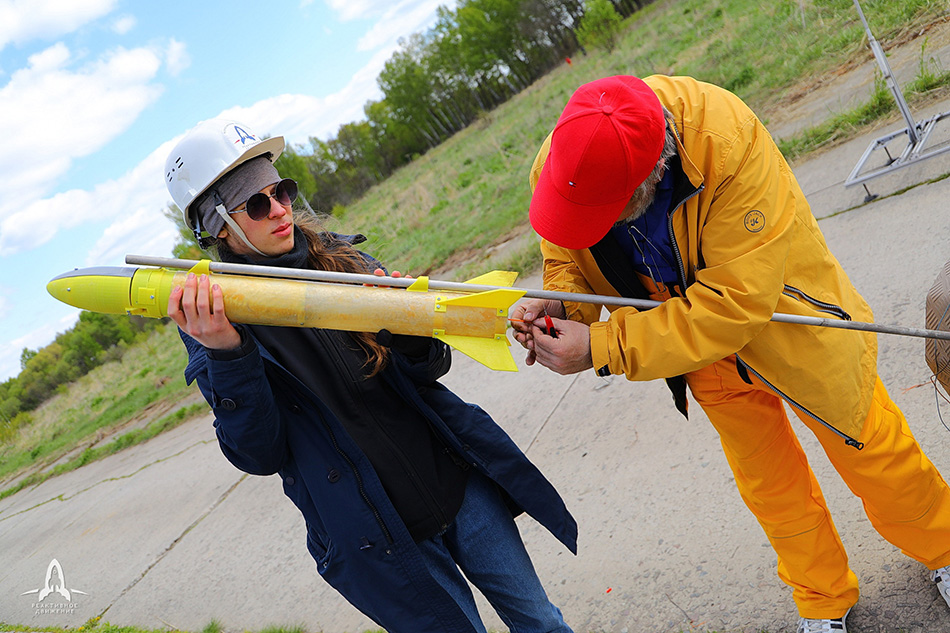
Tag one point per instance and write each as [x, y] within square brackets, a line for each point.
[532, 309]
[566, 350]
[198, 309]
[529, 312]
[568, 353]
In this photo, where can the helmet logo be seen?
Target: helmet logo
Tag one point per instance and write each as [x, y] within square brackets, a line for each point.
[243, 135]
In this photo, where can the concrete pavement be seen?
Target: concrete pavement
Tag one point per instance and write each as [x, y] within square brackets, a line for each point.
[169, 535]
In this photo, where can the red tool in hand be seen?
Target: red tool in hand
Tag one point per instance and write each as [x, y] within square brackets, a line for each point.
[549, 326]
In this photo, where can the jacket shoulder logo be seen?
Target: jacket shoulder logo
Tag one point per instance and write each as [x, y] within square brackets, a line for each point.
[754, 221]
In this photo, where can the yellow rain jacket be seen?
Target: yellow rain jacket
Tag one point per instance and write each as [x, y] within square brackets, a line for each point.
[750, 247]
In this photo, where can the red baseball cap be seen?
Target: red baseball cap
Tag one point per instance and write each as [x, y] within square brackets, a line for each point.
[605, 144]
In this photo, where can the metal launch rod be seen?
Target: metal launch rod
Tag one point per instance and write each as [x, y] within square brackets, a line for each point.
[434, 284]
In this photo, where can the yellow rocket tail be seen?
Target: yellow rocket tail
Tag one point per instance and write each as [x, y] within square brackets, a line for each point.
[492, 353]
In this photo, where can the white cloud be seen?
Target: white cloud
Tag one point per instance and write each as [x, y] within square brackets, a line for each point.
[409, 16]
[299, 117]
[25, 20]
[123, 24]
[143, 232]
[385, 10]
[136, 200]
[354, 9]
[177, 58]
[51, 114]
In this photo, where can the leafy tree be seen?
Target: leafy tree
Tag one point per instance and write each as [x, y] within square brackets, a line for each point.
[600, 26]
[408, 90]
[293, 164]
[396, 143]
[493, 42]
[25, 356]
[93, 339]
[105, 330]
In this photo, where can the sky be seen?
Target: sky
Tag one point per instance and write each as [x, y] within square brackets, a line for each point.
[95, 93]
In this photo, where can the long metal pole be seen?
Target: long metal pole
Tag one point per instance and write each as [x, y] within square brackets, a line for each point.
[435, 284]
[889, 78]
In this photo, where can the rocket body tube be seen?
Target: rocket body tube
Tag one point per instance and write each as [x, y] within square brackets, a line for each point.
[475, 323]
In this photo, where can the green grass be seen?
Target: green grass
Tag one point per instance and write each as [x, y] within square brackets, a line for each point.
[120, 442]
[841, 126]
[929, 80]
[441, 214]
[148, 379]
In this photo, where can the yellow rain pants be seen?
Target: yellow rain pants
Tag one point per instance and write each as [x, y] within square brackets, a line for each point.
[904, 496]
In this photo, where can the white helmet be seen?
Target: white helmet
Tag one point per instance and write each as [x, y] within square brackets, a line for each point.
[208, 151]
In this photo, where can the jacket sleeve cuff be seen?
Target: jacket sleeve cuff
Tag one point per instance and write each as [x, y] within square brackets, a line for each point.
[246, 347]
[599, 348]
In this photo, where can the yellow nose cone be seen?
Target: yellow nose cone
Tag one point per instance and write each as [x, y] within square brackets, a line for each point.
[99, 289]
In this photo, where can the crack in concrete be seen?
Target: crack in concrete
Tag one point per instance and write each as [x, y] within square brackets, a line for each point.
[64, 497]
[551, 412]
[177, 540]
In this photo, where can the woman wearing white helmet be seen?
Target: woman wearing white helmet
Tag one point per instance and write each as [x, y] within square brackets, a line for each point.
[401, 483]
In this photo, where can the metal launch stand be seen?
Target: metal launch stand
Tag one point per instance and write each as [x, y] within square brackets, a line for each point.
[917, 133]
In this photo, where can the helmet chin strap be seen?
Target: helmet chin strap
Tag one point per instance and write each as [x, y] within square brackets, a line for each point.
[237, 229]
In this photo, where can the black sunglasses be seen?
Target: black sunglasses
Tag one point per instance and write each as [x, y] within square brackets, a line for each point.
[258, 205]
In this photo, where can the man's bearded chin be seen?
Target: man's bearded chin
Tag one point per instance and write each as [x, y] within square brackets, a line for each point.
[641, 200]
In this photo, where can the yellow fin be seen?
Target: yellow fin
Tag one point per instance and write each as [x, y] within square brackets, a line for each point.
[421, 284]
[490, 352]
[495, 278]
[203, 267]
[501, 299]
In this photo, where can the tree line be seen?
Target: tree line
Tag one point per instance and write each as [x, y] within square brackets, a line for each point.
[95, 339]
[473, 59]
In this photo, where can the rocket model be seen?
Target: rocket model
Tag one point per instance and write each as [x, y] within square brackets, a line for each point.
[472, 316]
[474, 323]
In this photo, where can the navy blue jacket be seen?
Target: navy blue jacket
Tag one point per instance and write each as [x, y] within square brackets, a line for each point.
[268, 422]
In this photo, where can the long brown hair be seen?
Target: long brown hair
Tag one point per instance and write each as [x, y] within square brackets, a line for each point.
[327, 252]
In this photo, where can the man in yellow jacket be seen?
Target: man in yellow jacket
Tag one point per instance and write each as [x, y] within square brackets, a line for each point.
[671, 189]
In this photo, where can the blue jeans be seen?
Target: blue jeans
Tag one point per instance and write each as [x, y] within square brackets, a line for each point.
[483, 541]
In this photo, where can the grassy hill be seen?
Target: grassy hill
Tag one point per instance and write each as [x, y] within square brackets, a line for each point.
[461, 209]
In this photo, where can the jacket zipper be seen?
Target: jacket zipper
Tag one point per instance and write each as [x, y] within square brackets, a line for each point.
[789, 290]
[850, 441]
[820, 306]
[359, 483]
[675, 247]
